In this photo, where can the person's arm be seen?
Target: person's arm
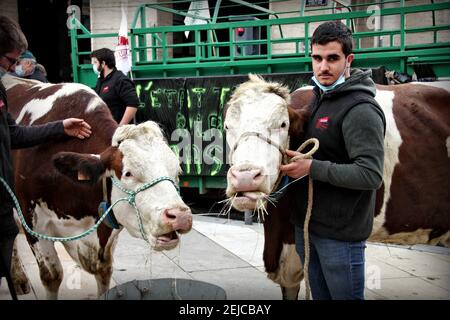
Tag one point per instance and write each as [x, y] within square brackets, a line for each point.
[363, 132]
[24, 137]
[127, 93]
[128, 115]
[29, 136]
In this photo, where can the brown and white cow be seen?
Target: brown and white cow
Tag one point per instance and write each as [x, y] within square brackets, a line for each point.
[60, 205]
[412, 204]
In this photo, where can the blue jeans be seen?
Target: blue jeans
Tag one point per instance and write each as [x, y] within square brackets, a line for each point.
[336, 268]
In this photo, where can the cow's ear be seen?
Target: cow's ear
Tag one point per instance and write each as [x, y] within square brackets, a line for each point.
[79, 167]
[111, 159]
[299, 111]
[297, 119]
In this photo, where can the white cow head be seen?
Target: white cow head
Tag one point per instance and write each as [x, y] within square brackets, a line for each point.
[138, 155]
[257, 124]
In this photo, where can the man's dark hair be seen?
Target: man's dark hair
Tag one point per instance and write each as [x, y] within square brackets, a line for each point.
[105, 54]
[11, 37]
[333, 31]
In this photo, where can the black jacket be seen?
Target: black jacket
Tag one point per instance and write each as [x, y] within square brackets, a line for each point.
[118, 92]
[348, 166]
[13, 136]
[37, 75]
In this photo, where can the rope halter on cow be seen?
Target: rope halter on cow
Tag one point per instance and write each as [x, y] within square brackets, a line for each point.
[260, 136]
[270, 142]
[131, 199]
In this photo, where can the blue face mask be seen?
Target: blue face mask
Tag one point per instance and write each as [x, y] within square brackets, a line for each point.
[339, 81]
[19, 71]
[96, 71]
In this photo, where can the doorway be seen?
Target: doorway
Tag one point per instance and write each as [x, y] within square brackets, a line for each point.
[44, 24]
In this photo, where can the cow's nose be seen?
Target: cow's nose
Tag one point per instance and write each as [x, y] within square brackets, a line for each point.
[245, 180]
[179, 218]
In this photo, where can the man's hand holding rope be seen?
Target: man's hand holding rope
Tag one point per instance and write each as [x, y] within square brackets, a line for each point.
[297, 168]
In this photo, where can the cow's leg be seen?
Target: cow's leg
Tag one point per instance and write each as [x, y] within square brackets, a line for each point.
[93, 260]
[289, 273]
[442, 240]
[445, 240]
[290, 293]
[50, 268]
[20, 279]
[103, 279]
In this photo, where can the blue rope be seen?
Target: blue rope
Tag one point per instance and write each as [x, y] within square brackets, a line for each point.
[131, 199]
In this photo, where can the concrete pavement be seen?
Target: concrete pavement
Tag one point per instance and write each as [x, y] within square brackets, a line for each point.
[228, 253]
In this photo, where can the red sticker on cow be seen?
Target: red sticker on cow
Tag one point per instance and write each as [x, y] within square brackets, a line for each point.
[322, 123]
[105, 89]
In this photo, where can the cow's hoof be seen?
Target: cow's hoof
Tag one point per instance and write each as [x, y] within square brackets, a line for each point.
[22, 287]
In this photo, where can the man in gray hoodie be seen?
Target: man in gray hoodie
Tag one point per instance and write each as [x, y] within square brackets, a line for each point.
[346, 170]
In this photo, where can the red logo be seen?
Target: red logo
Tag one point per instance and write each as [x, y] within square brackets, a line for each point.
[2, 104]
[123, 41]
[322, 123]
[105, 89]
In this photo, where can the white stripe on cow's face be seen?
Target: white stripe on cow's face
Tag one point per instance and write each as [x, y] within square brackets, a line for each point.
[392, 142]
[437, 84]
[40, 107]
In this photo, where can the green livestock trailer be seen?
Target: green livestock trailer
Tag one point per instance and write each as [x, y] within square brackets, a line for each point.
[184, 80]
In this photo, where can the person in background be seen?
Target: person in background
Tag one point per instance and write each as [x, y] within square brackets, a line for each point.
[13, 136]
[115, 88]
[28, 68]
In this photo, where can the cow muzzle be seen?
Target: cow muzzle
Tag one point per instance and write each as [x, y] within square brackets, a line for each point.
[245, 180]
[246, 187]
[179, 220]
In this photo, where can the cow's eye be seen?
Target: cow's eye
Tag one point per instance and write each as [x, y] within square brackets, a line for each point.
[128, 174]
[283, 125]
[226, 127]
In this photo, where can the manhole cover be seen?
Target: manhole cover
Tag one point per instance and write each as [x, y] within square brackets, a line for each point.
[165, 289]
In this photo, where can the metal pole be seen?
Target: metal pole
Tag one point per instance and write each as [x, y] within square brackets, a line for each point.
[248, 217]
